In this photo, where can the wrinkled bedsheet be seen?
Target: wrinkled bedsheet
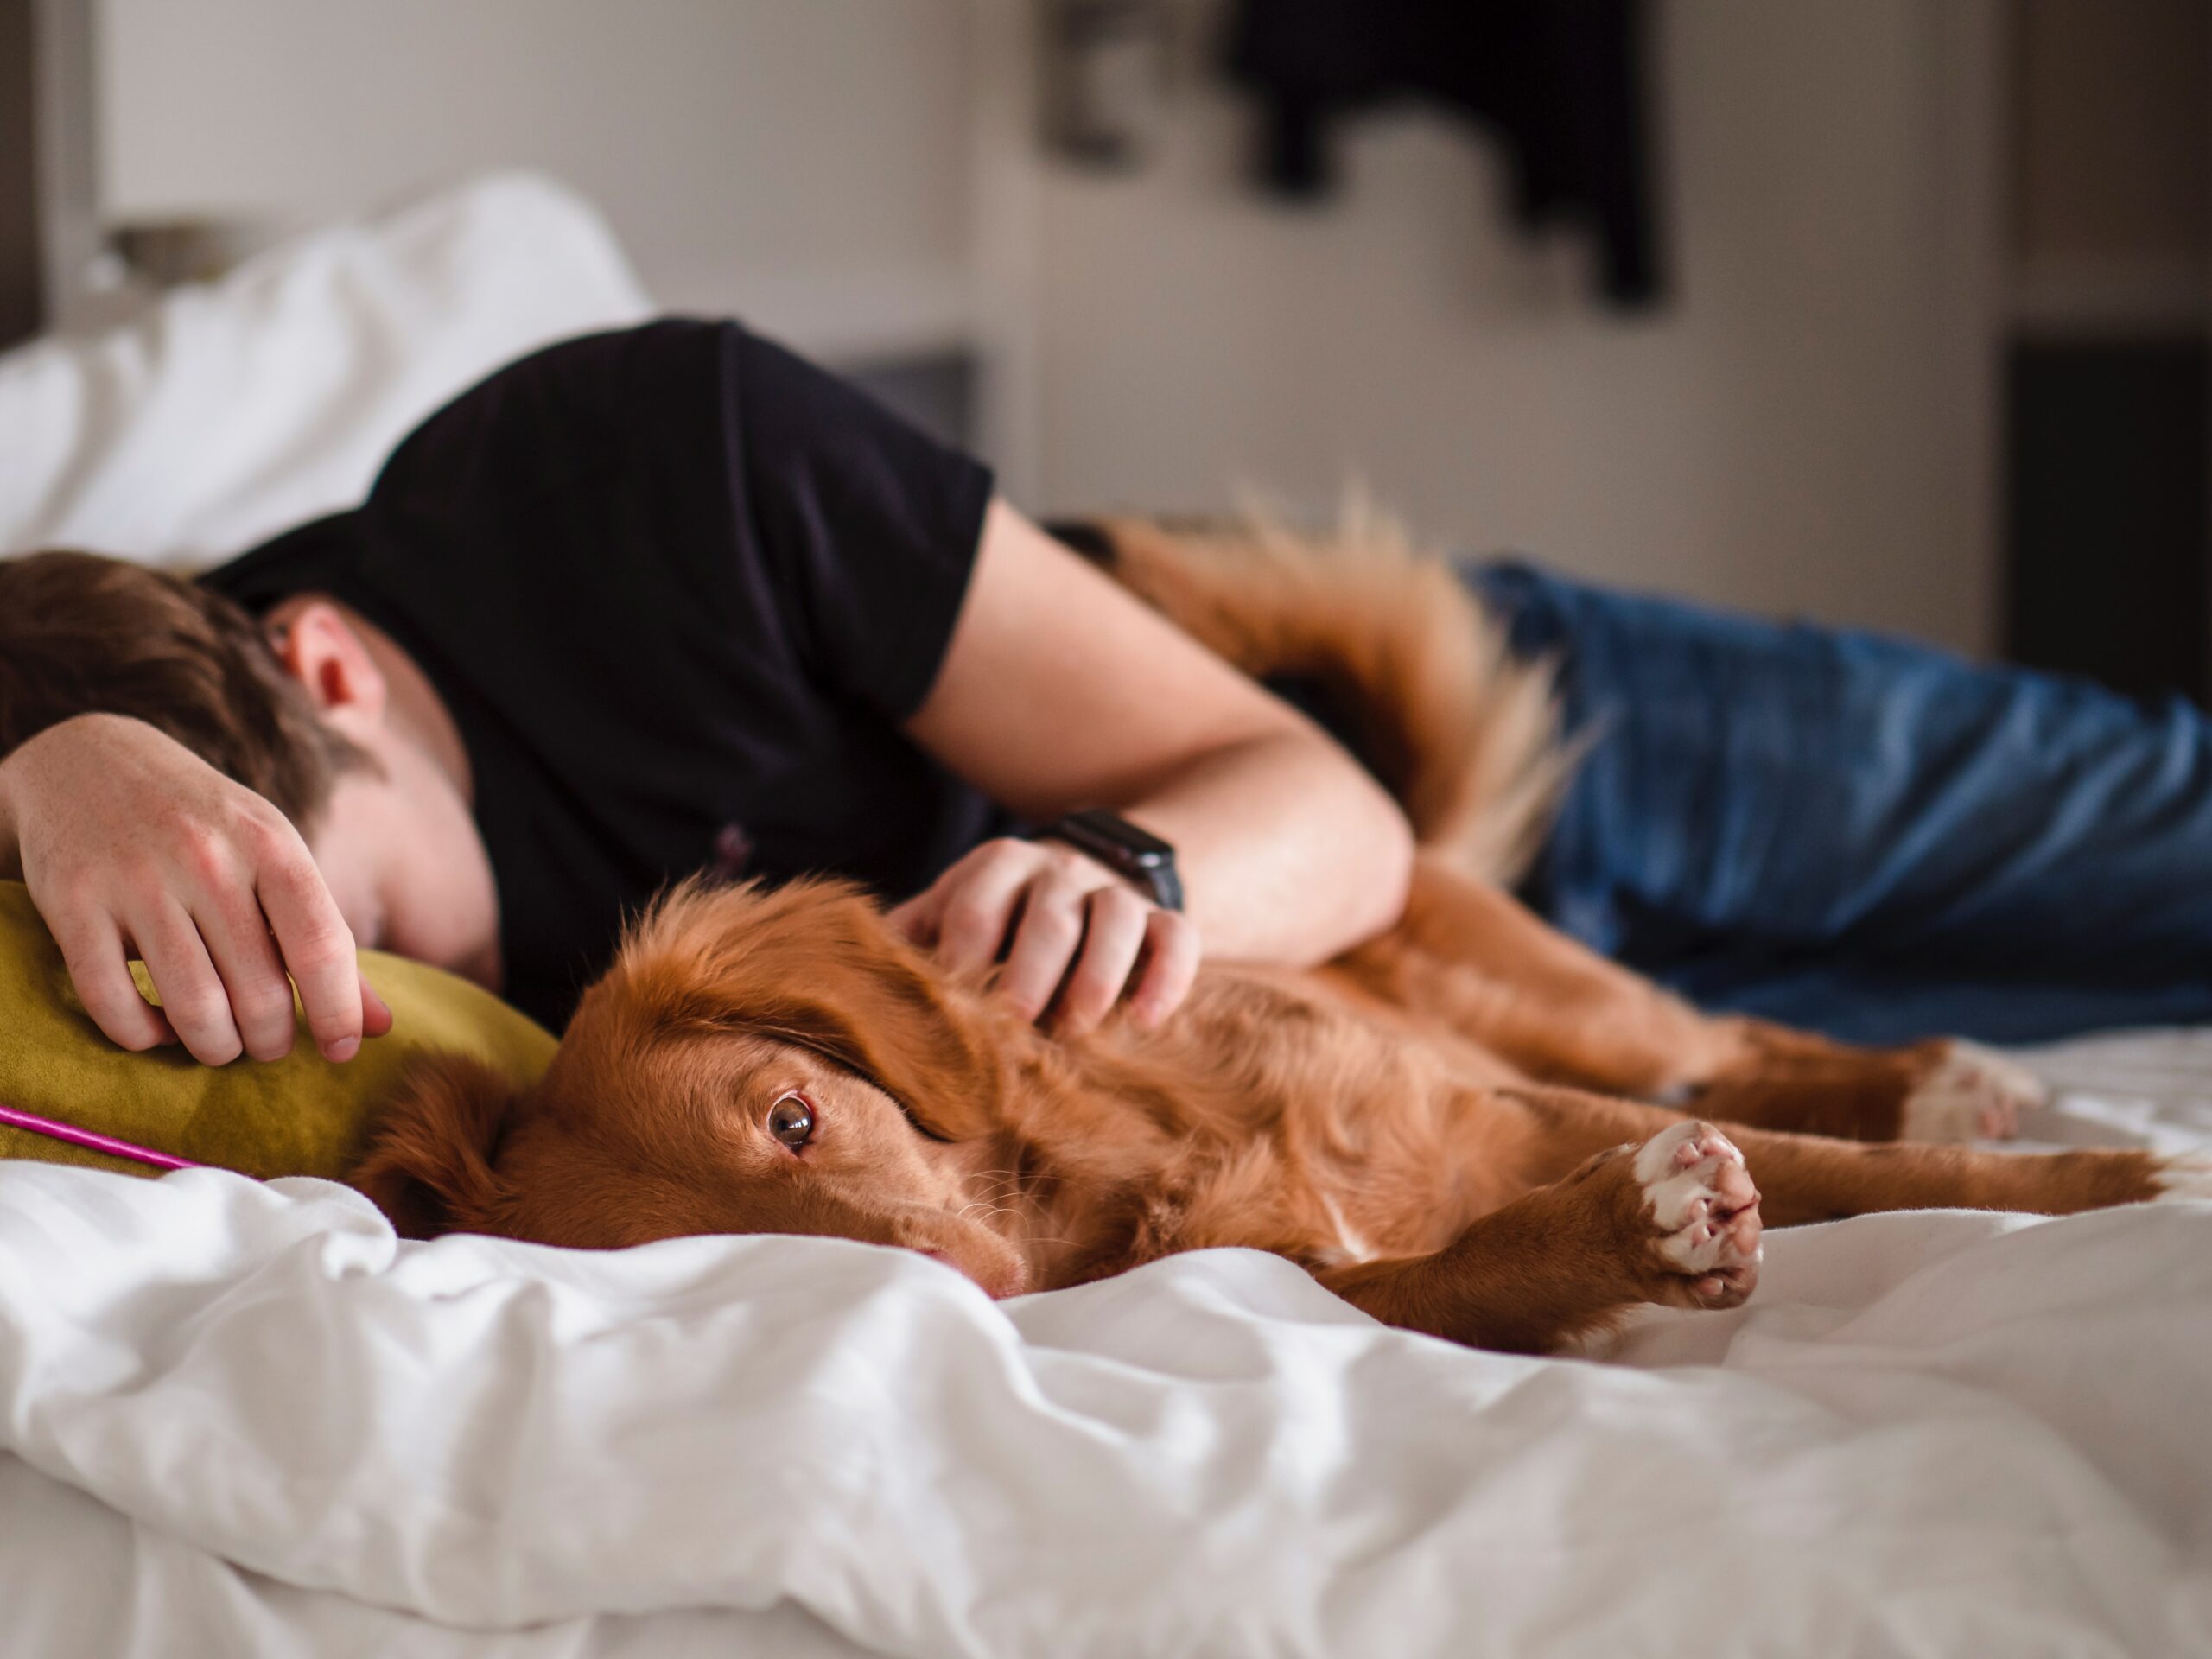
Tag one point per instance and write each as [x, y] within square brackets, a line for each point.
[241, 1418]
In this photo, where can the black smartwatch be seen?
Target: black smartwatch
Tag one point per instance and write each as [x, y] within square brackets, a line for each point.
[1144, 861]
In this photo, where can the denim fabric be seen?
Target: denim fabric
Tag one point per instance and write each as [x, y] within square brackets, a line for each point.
[1866, 836]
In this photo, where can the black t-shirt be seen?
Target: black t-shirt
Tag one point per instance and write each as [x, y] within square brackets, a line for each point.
[678, 588]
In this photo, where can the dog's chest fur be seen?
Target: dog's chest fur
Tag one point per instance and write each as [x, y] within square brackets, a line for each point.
[1270, 1115]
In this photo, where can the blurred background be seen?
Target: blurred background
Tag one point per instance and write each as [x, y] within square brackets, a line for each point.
[1887, 312]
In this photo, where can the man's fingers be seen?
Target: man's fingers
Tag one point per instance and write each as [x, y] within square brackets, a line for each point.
[318, 950]
[915, 921]
[376, 1015]
[1171, 954]
[91, 949]
[1044, 941]
[1067, 928]
[986, 886]
[192, 994]
[1113, 932]
[238, 943]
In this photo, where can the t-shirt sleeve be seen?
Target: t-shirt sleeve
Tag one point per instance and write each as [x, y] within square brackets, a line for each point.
[869, 525]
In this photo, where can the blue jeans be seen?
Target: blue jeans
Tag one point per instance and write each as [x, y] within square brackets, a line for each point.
[1865, 836]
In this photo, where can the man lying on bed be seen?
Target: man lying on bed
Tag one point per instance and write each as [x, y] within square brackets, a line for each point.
[670, 599]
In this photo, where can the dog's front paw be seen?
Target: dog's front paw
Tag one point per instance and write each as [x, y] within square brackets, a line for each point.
[1972, 1094]
[1702, 1216]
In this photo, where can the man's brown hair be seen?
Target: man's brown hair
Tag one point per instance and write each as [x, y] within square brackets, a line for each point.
[84, 635]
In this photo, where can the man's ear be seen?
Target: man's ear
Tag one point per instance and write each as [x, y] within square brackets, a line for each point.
[429, 1162]
[318, 647]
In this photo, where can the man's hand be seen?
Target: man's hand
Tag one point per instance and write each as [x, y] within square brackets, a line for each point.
[1065, 925]
[132, 846]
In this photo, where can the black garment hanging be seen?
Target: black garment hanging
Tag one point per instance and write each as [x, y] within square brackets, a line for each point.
[1560, 81]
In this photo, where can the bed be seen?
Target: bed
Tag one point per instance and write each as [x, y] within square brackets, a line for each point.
[242, 1418]
[237, 1417]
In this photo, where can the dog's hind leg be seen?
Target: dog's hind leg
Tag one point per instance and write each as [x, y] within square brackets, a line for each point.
[1473, 958]
[1942, 1091]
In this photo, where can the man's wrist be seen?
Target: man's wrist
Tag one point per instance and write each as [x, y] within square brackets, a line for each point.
[1138, 857]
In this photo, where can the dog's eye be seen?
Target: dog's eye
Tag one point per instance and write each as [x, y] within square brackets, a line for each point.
[791, 1120]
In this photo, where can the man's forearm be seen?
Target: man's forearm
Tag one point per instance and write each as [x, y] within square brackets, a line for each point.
[11, 860]
[1288, 852]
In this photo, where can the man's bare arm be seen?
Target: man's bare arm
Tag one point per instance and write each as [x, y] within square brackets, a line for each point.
[1059, 692]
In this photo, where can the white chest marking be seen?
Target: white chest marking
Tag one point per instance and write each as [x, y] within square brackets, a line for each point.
[1356, 1248]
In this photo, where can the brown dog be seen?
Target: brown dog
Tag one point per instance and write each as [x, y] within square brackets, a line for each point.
[1451, 1126]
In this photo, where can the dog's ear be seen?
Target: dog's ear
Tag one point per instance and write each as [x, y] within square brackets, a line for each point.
[428, 1164]
[895, 1026]
[815, 964]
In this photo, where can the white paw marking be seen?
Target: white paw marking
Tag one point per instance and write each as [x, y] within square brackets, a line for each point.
[2188, 1175]
[1701, 1198]
[1976, 1094]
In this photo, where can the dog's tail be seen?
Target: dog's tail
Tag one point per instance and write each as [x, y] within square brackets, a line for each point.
[1415, 676]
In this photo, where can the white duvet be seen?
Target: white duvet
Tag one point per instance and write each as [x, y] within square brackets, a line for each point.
[243, 1418]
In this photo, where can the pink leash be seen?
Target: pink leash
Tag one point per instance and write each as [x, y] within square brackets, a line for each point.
[10, 1118]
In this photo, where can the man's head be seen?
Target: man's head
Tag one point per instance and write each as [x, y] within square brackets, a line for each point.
[309, 707]
[80, 635]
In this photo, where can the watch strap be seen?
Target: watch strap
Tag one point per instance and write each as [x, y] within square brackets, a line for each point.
[1136, 855]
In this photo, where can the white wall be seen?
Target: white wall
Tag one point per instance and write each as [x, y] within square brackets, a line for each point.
[1804, 429]
[1785, 435]
[805, 161]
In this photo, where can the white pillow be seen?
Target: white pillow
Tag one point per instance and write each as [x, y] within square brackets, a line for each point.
[237, 408]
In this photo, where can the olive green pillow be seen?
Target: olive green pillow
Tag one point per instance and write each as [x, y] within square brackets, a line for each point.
[299, 1115]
